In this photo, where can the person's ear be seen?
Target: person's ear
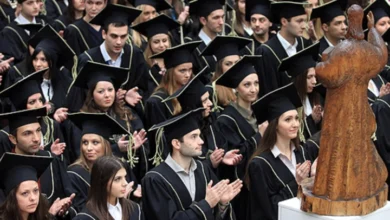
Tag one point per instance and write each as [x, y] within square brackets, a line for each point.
[325, 27]
[12, 139]
[283, 21]
[104, 34]
[203, 21]
[175, 144]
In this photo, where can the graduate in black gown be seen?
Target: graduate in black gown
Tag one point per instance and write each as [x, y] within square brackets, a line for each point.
[287, 42]
[54, 182]
[55, 8]
[181, 187]
[238, 123]
[7, 14]
[333, 21]
[96, 130]
[301, 67]
[74, 11]
[108, 192]
[177, 61]
[279, 164]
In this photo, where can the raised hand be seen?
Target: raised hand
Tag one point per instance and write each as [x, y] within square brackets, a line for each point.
[302, 171]
[120, 96]
[232, 158]
[59, 207]
[216, 157]
[61, 115]
[139, 139]
[213, 193]
[133, 97]
[231, 191]
[57, 148]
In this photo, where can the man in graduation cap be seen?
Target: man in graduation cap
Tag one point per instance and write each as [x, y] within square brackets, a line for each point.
[181, 187]
[288, 41]
[257, 13]
[333, 20]
[25, 134]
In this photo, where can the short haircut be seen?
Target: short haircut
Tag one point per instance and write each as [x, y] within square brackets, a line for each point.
[116, 24]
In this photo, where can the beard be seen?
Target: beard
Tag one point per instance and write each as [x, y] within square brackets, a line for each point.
[189, 151]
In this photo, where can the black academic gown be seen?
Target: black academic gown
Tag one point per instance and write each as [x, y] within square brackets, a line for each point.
[273, 53]
[154, 80]
[323, 46]
[256, 44]
[14, 41]
[60, 82]
[54, 9]
[136, 214]
[379, 82]
[7, 14]
[164, 195]
[61, 23]
[15, 73]
[270, 183]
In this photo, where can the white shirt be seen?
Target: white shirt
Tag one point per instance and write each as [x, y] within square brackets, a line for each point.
[66, 2]
[290, 49]
[372, 87]
[327, 41]
[115, 211]
[247, 29]
[307, 107]
[107, 58]
[290, 164]
[47, 89]
[205, 38]
[22, 20]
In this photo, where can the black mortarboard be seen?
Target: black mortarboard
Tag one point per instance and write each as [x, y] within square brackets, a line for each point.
[20, 118]
[93, 72]
[177, 55]
[243, 68]
[161, 24]
[275, 103]
[33, 28]
[20, 91]
[257, 7]
[301, 61]
[16, 168]
[287, 9]
[159, 5]
[97, 123]
[189, 96]
[180, 125]
[329, 10]
[379, 8]
[114, 13]
[223, 46]
[204, 8]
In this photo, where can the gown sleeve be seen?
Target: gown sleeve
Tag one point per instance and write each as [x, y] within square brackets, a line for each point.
[80, 187]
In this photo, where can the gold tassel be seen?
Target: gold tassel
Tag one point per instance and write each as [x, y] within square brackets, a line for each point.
[157, 158]
[74, 68]
[302, 125]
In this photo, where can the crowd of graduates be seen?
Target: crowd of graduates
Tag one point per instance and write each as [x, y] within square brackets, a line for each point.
[168, 109]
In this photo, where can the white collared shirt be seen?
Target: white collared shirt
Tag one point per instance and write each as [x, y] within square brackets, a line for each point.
[247, 29]
[290, 164]
[327, 41]
[107, 58]
[115, 211]
[372, 87]
[204, 37]
[307, 107]
[47, 89]
[290, 49]
[22, 20]
[66, 2]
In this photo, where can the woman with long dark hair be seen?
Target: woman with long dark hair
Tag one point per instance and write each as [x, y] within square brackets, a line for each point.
[279, 164]
[74, 12]
[107, 195]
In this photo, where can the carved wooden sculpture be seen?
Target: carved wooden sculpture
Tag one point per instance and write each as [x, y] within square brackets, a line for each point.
[350, 177]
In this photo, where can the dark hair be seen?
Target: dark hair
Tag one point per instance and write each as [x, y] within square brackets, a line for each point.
[10, 210]
[116, 24]
[103, 172]
[267, 142]
[70, 15]
[300, 83]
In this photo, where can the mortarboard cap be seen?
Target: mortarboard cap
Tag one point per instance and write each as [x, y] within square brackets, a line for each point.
[161, 24]
[20, 118]
[329, 10]
[189, 96]
[223, 46]
[114, 13]
[275, 103]
[204, 8]
[33, 28]
[379, 8]
[97, 123]
[20, 91]
[287, 9]
[243, 68]
[301, 61]
[93, 72]
[159, 5]
[177, 55]
[257, 7]
[16, 168]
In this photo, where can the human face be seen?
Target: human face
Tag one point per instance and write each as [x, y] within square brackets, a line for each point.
[182, 73]
[104, 95]
[229, 61]
[241, 6]
[115, 38]
[311, 80]
[297, 25]
[382, 25]
[206, 104]
[35, 101]
[27, 196]
[28, 138]
[79, 5]
[30, 8]
[94, 7]
[118, 185]
[337, 28]
[248, 89]
[40, 62]
[159, 43]
[148, 13]
[260, 24]
[192, 144]
[288, 125]
[92, 147]
[214, 22]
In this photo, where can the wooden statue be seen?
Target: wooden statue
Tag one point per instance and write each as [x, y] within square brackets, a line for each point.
[350, 177]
